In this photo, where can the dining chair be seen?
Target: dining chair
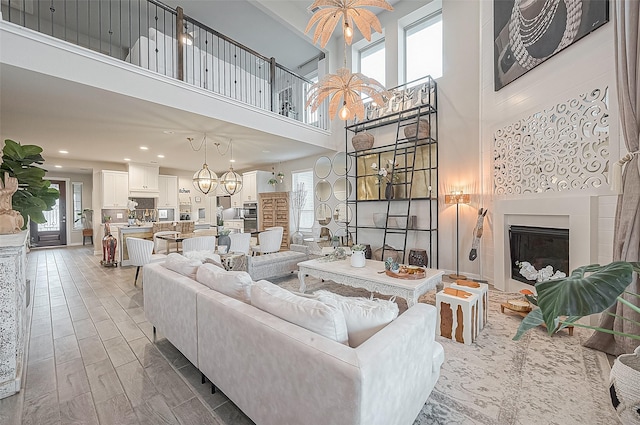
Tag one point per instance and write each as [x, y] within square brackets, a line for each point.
[199, 243]
[141, 253]
[161, 244]
[240, 242]
[269, 240]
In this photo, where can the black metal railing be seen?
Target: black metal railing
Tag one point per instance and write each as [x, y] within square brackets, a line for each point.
[153, 36]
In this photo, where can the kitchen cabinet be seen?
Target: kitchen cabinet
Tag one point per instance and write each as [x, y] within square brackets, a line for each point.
[115, 189]
[143, 178]
[168, 191]
[236, 200]
[254, 182]
[273, 210]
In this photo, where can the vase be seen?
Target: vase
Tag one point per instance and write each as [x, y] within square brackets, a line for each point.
[132, 221]
[388, 191]
[224, 240]
[297, 238]
[418, 257]
[357, 259]
[625, 387]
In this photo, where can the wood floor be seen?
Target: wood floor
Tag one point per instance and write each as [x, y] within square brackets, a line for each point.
[92, 356]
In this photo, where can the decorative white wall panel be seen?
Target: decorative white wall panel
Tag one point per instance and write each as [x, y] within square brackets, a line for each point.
[562, 148]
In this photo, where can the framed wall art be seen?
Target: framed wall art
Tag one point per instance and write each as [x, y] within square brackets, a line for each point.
[528, 32]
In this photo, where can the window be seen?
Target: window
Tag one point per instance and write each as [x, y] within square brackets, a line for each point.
[77, 206]
[306, 212]
[423, 48]
[372, 61]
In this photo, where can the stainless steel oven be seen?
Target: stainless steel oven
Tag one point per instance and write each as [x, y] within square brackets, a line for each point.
[250, 214]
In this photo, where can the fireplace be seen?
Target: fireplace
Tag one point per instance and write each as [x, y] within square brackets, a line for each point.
[541, 247]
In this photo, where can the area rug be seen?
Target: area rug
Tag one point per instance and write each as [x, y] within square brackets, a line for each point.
[537, 380]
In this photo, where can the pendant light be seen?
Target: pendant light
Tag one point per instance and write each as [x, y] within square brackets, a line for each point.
[204, 179]
[231, 181]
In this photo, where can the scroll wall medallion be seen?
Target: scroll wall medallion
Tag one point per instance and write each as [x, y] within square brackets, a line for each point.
[528, 32]
[559, 149]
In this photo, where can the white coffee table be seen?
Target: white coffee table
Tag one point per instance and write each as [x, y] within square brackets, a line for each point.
[368, 278]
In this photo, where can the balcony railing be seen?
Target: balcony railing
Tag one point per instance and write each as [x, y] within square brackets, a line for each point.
[151, 35]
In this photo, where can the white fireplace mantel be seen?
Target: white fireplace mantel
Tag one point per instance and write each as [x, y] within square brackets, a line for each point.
[579, 214]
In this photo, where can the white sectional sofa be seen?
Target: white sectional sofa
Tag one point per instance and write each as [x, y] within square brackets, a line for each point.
[279, 373]
[267, 266]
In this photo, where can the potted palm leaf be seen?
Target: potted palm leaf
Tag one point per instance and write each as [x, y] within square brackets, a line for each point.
[589, 290]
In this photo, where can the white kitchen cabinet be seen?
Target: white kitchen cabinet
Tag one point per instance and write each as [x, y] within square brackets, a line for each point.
[115, 189]
[254, 182]
[168, 192]
[143, 178]
[236, 199]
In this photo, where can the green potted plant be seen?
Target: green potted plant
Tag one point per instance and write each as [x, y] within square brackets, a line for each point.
[35, 194]
[588, 290]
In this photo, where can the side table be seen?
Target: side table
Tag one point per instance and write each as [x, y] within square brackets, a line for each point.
[523, 314]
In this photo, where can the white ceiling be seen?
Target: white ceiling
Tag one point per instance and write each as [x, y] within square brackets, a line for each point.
[98, 125]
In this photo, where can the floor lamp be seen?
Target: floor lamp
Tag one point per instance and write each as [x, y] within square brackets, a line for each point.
[457, 198]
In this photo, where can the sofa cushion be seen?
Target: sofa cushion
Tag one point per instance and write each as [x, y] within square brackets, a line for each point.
[234, 284]
[276, 257]
[314, 315]
[182, 265]
[364, 317]
[203, 256]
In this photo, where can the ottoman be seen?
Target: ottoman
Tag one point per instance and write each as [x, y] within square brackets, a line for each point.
[457, 315]
[482, 289]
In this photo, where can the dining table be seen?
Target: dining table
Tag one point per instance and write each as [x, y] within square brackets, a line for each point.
[177, 238]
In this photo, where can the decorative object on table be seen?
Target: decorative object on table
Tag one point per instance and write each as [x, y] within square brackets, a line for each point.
[389, 251]
[367, 251]
[357, 255]
[10, 221]
[418, 257]
[477, 234]
[338, 253]
[456, 198]
[33, 194]
[401, 271]
[344, 88]
[388, 177]
[109, 244]
[528, 33]
[204, 179]
[422, 128]
[131, 211]
[362, 141]
[298, 200]
[224, 239]
[562, 302]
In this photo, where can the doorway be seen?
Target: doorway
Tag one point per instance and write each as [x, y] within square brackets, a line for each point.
[54, 231]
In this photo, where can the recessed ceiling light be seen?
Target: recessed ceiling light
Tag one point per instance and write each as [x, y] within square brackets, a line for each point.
[266, 151]
[160, 156]
[232, 160]
[144, 148]
[63, 151]
[168, 132]
[153, 162]
[127, 159]
[58, 166]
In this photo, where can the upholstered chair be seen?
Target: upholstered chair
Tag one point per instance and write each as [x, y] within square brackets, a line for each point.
[240, 242]
[141, 253]
[199, 243]
[269, 240]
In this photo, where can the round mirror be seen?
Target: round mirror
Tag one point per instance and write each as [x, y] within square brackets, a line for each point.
[345, 236]
[323, 191]
[322, 167]
[323, 214]
[325, 234]
[341, 163]
[342, 189]
[342, 214]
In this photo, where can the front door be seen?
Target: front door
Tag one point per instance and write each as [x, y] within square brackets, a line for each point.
[54, 231]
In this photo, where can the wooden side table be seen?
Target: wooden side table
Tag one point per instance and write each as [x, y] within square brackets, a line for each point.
[521, 313]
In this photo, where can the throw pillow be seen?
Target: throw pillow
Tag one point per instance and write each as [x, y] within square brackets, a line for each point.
[364, 317]
[233, 284]
[316, 316]
[203, 256]
[182, 265]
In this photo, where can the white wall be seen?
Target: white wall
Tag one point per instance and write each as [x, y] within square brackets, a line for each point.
[581, 67]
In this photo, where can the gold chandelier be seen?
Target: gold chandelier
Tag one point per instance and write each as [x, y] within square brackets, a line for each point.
[231, 181]
[345, 88]
[204, 179]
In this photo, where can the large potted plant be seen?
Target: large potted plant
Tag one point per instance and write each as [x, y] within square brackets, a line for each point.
[588, 290]
[35, 194]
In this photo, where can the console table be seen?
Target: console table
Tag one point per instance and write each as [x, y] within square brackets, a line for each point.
[369, 278]
[14, 299]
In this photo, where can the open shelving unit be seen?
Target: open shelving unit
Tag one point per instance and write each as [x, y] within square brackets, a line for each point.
[414, 158]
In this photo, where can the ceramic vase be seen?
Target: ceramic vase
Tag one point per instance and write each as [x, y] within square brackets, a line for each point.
[388, 191]
[625, 387]
[357, 259]
[132, 221]
[224, 240]
[297, 238]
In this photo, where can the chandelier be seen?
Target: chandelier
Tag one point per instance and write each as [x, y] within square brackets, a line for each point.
[231, 181]
[204, 179]
[345, 89]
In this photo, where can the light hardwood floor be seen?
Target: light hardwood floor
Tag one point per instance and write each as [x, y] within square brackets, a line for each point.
[92, 356]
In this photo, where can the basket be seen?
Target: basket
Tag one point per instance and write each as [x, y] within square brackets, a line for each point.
[423, 129]
[624, 381]
[362, 141]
